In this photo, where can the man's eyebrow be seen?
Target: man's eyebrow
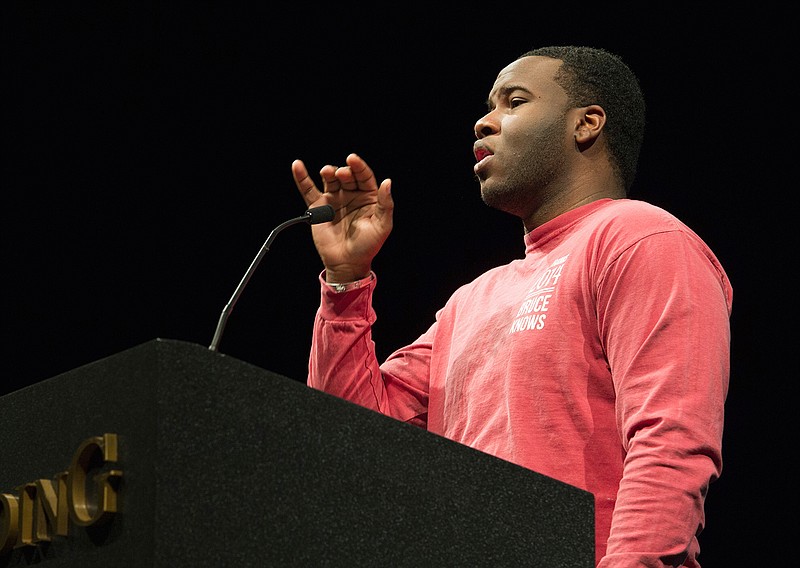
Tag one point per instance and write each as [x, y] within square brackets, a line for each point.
[503, 92]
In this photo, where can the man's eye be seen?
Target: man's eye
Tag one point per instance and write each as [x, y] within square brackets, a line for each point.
[515, 102]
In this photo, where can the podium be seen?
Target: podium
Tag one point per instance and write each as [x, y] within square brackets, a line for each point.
[220, 463]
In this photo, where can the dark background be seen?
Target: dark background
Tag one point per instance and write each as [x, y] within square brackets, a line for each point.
[147, 150]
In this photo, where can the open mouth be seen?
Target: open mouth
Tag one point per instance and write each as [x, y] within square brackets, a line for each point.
[481, 153]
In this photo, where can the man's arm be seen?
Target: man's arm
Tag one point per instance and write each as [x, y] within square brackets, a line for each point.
[343, 360]
[665, 305]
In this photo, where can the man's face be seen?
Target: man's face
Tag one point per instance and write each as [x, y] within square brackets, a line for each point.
[524, 140]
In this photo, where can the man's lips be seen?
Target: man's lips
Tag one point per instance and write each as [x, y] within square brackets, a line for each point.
[481, 152]
[482, 156]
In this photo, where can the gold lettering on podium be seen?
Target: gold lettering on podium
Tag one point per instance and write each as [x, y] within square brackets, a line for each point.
[85, 494]
[41, 513]
[9, 521]
[98, 503]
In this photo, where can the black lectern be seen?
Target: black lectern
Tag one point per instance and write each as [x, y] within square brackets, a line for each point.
[169, 454]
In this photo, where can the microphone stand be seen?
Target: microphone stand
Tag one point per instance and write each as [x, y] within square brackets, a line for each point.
[312, 217]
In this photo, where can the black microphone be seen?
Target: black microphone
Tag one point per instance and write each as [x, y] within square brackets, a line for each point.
[312, 216]
[321, 214]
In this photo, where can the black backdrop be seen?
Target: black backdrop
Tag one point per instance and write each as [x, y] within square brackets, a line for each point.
[147, 150]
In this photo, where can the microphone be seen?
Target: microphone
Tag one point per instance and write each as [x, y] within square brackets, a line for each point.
[312, 216]
[321, 214]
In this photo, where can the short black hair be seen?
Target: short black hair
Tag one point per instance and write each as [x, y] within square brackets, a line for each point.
[592, 75]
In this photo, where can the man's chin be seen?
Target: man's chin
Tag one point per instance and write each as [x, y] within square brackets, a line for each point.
[490, 195]
[498, 199]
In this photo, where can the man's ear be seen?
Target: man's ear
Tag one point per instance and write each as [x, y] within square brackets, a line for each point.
[591, 121]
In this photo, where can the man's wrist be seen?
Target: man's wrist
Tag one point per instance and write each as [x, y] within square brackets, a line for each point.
[340, 287]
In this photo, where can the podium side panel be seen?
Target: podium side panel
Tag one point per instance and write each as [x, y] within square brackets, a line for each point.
[253, 465]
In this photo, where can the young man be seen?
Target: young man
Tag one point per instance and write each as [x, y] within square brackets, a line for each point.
[600, 359]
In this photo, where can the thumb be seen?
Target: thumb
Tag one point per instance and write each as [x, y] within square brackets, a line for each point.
[385, 202]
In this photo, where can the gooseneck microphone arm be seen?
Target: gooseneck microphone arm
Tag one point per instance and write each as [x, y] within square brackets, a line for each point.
[312, 216]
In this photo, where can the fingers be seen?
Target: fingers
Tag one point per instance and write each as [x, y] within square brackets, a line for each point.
[356, 175]
[305, 185]
[330, 183]
[361, 172]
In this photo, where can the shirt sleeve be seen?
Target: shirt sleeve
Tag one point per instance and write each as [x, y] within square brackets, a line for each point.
[343, 361]
[664, 307]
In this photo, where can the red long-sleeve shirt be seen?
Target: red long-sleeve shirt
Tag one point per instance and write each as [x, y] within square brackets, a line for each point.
[600, 359]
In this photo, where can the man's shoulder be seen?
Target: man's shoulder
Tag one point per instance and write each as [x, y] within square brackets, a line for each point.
[632, 215]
